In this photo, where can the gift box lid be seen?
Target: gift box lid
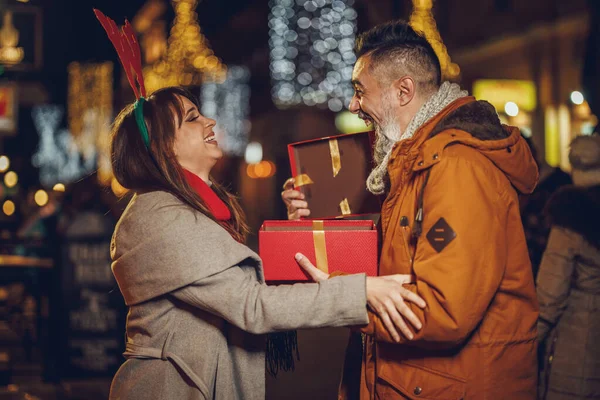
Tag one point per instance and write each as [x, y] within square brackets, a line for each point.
[332, 171]
[309, 225]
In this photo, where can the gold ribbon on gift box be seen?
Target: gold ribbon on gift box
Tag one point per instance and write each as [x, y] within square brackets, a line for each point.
[345, 207]
[336, 159]
[336, 166]
[302, 180]
[320, 246]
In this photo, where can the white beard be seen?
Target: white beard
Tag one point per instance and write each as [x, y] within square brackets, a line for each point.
[386, 134]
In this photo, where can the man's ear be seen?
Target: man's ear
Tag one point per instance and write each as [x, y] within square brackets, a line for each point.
[404, 88]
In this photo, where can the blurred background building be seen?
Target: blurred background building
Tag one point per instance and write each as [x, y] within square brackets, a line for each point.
[271, 72]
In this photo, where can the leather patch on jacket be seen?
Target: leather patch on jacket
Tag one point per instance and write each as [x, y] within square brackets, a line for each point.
[440, 235]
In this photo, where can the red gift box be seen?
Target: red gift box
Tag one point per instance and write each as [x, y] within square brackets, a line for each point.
[332, 172]
[331, 245]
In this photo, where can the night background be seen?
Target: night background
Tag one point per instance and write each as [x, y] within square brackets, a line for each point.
[61, 85]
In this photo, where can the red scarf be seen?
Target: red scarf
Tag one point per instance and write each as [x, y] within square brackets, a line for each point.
[217, 207]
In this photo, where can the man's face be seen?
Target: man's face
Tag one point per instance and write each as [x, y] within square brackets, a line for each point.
[373, 101]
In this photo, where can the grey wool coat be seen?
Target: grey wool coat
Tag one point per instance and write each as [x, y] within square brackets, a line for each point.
[199, 308]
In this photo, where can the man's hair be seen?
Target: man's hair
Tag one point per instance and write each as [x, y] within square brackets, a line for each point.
[395, 48]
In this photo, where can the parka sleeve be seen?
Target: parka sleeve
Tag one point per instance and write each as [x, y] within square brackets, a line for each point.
[554, 277]
[459, 280]
[236, 295]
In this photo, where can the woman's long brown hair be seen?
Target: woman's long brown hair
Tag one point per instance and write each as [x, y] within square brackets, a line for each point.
[142, 170]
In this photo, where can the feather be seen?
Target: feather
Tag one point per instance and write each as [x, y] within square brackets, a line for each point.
[128, 49]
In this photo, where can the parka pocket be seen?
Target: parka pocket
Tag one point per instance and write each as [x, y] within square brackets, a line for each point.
[416, 382]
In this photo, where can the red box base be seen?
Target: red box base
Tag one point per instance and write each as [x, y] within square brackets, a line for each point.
[351, 248]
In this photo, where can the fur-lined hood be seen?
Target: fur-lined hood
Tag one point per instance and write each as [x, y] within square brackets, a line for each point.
[577, 209]
[476, 124]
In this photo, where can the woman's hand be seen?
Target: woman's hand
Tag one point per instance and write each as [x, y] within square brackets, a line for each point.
[385, 295]
[297, 207]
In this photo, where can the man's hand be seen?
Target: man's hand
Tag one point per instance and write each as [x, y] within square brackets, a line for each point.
[385, 296]
[297, 207]
[388, 298]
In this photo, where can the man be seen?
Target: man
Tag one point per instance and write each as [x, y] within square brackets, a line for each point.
[451, 174]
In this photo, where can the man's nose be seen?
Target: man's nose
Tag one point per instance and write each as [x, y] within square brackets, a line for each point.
[354, 107]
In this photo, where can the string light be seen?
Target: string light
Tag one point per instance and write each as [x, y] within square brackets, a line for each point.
[422, 20]
[8, 207]
[189, 59]
[58, 156]
[312, 56]
[90, 111]
[59, 187]
[229, 104]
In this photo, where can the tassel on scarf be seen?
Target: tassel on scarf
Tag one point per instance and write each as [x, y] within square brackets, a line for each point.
[282, 348]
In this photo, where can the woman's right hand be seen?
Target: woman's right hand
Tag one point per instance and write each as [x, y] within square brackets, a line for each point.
[387, 297]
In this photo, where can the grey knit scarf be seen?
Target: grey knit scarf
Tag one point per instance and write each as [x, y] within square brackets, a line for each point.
[389, 134]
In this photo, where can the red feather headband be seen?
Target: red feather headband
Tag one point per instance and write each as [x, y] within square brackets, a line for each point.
[129, 53]
[128, 50]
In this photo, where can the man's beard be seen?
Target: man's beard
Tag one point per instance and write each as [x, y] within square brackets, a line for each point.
[386, 135]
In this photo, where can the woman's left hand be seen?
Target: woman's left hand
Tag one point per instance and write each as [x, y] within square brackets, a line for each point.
[315, 273]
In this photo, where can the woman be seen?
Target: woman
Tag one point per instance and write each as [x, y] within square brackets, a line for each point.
[569, 282]
[198, 305]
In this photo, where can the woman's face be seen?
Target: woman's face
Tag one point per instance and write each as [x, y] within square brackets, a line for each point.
[195, 145]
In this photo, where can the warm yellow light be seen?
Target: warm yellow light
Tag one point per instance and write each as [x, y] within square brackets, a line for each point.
[59, 187]
[8, 207]
[188, 58]
[250, 171]
[552, 137]
[90, 100]
[422, 20]
[500, 91]
[23, 1]
[41, 198]
[11, 179]
[4, 163]
[263, 169]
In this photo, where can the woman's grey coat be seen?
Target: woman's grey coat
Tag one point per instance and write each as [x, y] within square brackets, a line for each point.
[199, 307]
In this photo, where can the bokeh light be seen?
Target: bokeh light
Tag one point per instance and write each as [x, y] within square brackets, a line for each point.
[4, 163]
[312, 55]
[577, 97]
[41, 198]
[8, 207]
[511, 109]
[11, 179]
